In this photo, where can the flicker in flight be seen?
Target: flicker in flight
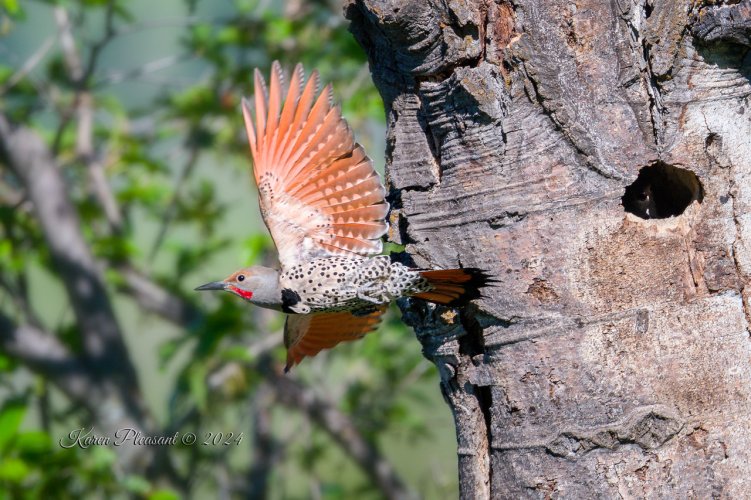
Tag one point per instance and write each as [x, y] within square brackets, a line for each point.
[324, 205]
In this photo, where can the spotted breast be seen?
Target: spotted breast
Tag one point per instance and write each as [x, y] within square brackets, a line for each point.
[347, 284]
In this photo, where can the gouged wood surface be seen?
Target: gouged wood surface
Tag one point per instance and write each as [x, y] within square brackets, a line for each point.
[613, 358]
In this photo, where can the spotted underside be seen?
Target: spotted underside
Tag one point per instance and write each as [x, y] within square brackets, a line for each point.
[350, 284]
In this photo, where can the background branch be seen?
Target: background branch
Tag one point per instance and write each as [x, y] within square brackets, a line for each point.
[266, 453]
[170, 211]
[41, 352]
[29, 65]
[341, 429]
[104, 349]
[84, 110]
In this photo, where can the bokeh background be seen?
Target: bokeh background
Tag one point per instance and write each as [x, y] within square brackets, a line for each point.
[162, 191]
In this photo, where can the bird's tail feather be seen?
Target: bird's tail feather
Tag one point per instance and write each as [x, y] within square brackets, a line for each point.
[455, 287]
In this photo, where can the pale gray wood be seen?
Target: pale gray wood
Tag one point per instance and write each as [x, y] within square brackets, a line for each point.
[612, 358]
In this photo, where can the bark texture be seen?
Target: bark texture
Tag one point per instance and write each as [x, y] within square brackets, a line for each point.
[613, 357]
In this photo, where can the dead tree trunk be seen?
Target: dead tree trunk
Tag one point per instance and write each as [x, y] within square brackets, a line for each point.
[613, 357]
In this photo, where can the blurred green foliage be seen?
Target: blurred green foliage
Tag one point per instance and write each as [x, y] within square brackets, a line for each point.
[168, 134]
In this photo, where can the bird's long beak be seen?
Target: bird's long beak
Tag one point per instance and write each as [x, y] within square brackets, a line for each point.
[214, 285]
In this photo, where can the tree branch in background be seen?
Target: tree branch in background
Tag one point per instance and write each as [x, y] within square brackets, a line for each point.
[154, 298]
[18, 293]
[84, 110]
[103, 345]
[44, 354]
[79, 73]
[68, 45]
[41, 352]
[170, 211]
[266, 453]
[145, 69]
[29, 65]
[341, 429]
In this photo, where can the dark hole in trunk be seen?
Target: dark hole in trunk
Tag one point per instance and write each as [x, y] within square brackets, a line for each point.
[661, 191]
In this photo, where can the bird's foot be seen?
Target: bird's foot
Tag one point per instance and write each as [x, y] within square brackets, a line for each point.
[371, 293]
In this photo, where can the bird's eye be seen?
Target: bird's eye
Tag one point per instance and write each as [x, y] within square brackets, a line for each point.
[241, 277]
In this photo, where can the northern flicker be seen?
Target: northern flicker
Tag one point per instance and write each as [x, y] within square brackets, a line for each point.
[325, 209]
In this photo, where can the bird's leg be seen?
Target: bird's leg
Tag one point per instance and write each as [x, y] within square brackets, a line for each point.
[364, 291]
[368, 298]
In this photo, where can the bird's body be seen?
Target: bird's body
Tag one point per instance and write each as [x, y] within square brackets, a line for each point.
[324, 205]
[348, 284]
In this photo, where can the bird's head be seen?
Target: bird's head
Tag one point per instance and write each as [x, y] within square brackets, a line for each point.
[255, 284]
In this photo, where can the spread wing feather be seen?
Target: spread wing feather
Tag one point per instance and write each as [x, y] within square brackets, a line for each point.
[307, 335]
[318, 191]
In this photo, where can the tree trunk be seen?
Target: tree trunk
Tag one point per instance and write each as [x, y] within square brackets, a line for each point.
[612, 357]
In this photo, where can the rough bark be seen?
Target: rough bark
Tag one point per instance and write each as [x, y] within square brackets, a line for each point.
[613, 356]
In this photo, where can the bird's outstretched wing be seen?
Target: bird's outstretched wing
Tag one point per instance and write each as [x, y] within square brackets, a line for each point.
[306, 335]
[318, 191]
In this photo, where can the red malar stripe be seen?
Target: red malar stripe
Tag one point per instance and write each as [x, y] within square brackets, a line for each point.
[242, 293]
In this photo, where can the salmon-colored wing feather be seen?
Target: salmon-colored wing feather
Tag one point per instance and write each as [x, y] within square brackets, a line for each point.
[319, 193]
[307, 335]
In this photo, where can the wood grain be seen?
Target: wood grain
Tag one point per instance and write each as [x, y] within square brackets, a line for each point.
[613, 356]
